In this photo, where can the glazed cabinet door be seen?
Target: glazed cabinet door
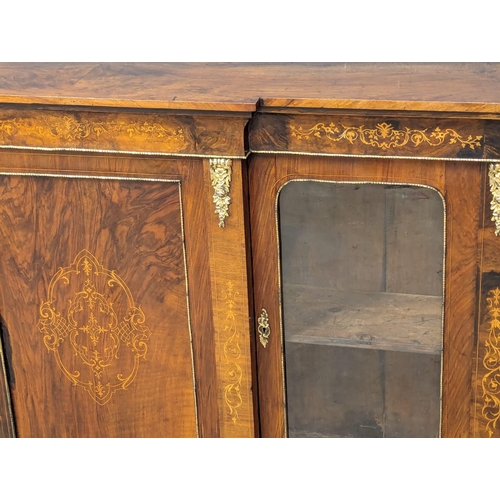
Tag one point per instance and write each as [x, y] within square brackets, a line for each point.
[106, 330]
[364, 276]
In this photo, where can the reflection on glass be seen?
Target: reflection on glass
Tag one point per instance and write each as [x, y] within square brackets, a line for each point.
[362, 285]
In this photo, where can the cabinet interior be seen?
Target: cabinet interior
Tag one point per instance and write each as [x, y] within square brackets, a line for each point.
[362, 286]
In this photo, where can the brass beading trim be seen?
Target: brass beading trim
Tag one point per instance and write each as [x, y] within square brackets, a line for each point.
[390, 157]
[116, 151]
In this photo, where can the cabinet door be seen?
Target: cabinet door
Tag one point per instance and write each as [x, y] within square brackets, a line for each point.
[106, 328]
[364, 295]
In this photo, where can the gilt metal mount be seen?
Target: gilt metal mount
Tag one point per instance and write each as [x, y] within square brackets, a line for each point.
[494, 175]
[220, 175]
[263, 328]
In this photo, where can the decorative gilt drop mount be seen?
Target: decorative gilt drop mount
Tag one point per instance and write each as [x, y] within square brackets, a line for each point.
[263, 328]
[93, 327]
[220, 175]
[384, 136]
[494, 176]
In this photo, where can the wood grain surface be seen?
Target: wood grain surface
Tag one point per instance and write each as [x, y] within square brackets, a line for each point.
[127, 226]
[6, 416]
[262, 189]
[463, 186]
[348, 392]
[368, 320]
[134, 229]
[453, 87]
[230, 303]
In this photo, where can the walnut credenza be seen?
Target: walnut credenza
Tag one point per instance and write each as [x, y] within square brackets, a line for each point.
[238, 250]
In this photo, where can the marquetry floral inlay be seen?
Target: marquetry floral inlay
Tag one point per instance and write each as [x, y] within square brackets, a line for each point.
[233, 373]
[99, 335]
[384, 136]
[74, 129]
[491, 361]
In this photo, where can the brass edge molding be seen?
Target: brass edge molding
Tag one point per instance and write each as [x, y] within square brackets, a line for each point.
[84, 176]
[263, 328]
[220, 176]
[122, 151]
[491, 361]
[146, 179]
[242, 157]
[389, 157]
[191, 350]
[280, 284]
[384, 136]
[494, 177]
[232, 352]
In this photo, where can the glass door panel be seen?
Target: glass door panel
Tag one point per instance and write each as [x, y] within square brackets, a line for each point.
[362, 291]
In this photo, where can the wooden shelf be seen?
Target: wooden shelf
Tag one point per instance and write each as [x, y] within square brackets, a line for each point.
[292, 433]
[370, 320]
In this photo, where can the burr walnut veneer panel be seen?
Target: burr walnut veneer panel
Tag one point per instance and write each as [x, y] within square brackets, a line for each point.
[128, 215]
[95, 308]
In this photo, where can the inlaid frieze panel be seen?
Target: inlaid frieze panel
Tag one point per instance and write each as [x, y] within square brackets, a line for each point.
[373, 136]
[157, 133]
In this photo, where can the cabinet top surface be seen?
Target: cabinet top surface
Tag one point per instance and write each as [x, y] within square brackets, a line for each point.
[245, 87]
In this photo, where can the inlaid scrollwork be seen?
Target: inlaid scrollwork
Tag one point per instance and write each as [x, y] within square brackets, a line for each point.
[491, 361]
[74, 129]
[384, 136]
[99, 330]
[233, 373]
